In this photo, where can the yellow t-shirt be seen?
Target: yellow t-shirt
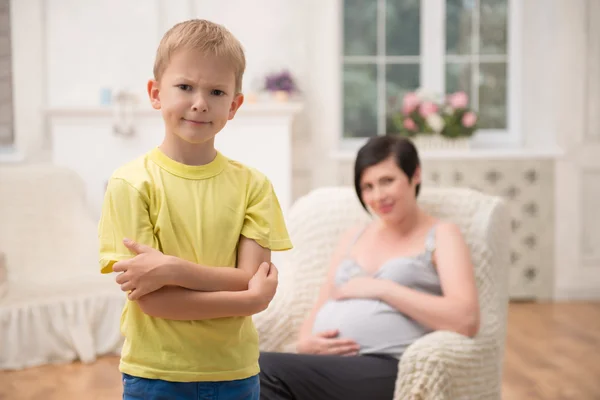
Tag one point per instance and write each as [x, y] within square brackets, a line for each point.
[196, 213]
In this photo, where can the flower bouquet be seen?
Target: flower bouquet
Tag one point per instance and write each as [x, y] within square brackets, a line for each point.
[434, 122]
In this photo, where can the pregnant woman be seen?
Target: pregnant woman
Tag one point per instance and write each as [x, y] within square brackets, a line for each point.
[390, 282]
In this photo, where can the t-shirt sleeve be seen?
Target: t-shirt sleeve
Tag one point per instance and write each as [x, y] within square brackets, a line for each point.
[264, 221]
[124, 215]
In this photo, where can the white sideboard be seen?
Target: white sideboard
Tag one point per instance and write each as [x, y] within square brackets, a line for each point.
[84, 140]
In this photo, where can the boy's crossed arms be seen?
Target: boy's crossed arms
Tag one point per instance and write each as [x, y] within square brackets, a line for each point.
[172, 288]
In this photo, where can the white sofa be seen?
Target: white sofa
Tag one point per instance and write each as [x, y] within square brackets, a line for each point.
[441, 365]
[56, 306]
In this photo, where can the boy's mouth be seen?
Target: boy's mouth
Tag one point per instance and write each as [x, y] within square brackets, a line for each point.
[191, 121]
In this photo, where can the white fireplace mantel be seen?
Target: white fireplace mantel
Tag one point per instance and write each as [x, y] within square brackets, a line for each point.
[83, 139]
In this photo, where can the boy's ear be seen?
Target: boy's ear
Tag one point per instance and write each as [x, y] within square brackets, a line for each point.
[153, 93]
[235, 105]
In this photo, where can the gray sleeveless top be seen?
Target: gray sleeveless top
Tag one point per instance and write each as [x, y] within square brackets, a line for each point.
[376, 326]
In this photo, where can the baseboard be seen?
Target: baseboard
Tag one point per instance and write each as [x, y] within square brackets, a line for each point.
[576, 293]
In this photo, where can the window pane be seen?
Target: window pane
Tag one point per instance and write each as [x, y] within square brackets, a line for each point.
[458, 78]
[360, 100]
[6, 106]
[403, 27]
[5, 92]
[4, 44]
[400, 79]
[492, 96]
[493, 26]
[459, 28]
[5, 113]
[5, 68]
[4, 17]
[6, 136]
[360, 27]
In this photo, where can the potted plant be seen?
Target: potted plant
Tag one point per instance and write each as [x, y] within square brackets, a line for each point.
[434, 123]
[281, 84]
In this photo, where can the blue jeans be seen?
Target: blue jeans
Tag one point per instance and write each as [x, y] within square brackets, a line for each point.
[135, 388]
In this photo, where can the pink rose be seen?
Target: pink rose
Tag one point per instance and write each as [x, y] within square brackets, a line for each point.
[410, 124]
[459, 100]
[469, 119]
[427, 108]
[409, 103]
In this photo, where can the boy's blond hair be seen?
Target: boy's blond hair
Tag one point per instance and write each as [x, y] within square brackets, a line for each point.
[203, 36]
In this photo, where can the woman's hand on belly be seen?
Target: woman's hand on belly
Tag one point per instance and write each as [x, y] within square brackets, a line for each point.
[327, 342]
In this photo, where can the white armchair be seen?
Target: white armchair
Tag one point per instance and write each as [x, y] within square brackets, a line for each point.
[440, 365]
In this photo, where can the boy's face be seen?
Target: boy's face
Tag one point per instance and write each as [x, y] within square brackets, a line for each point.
[196, 95]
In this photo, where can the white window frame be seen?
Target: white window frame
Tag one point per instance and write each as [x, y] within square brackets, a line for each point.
[432, 68]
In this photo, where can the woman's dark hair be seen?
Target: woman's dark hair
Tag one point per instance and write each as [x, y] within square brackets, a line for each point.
[378, 149]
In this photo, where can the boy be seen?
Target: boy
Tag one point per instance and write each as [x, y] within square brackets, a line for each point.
[202, 228]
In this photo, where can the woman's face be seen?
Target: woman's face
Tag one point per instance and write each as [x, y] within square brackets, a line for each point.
[387, 191]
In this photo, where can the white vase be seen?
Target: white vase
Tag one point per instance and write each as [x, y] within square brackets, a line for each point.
[438, 142]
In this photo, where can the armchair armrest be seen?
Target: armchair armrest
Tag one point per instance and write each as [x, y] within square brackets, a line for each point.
[279, 324]
[447, 366]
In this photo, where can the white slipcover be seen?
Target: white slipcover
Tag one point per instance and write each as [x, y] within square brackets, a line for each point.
[58, 308]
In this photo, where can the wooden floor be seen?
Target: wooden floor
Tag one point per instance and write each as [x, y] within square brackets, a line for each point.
[552, 353]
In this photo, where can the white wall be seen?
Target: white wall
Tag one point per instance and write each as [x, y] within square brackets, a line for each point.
[91, 46]
[95, 44]
[538, 63]
[66, 51]
[578, 172]
[273, 33]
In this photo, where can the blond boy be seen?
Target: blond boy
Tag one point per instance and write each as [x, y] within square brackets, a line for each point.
[201, 228]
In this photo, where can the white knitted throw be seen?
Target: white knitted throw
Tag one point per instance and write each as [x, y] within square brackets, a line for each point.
[441, 365]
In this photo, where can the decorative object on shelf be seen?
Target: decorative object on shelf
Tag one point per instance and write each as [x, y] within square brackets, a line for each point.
[105, 96]
[434, 122]
[281, 85]
[124, 107]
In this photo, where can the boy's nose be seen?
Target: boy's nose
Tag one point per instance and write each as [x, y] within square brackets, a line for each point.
[200, 105]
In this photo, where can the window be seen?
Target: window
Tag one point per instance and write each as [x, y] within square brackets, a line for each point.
[391, 47]
[6, 106]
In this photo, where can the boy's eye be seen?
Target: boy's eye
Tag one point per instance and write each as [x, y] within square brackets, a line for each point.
[217, 92]
[184, 87]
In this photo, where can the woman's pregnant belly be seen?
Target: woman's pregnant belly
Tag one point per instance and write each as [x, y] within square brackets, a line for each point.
[374, 325]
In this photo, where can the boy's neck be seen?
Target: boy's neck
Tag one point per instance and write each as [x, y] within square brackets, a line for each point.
[187, 153]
